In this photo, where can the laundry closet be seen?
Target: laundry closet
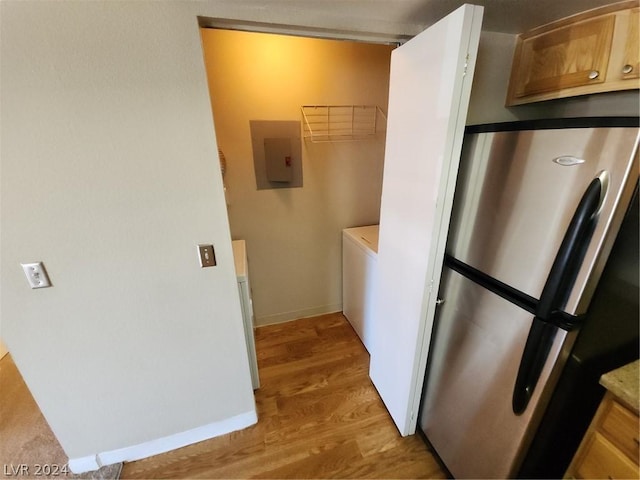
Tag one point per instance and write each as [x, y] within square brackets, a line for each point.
[266, 93]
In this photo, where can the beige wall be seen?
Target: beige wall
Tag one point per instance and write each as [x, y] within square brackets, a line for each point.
[110, 177]
[294, 235]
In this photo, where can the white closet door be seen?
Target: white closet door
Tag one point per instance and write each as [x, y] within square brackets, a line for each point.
[428, 99]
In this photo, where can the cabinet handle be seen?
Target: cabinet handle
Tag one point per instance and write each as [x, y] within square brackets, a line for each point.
[593, 74]
[627, 69]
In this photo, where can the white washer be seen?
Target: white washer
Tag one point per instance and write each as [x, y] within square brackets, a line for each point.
[359, 270]
[242, 275]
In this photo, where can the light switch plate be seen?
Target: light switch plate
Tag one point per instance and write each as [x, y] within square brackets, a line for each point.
[36, 275]
[207, 256]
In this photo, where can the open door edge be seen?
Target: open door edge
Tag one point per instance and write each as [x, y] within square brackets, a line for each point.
[472, 25]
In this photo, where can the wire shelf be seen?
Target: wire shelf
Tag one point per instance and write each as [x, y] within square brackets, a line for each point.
[335, 123]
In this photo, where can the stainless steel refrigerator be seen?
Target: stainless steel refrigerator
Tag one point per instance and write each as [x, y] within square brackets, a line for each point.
[537, 209]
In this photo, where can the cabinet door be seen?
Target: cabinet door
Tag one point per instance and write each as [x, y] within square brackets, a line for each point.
[621, 426]
[603, 460]
[631, 63]
[571, 56]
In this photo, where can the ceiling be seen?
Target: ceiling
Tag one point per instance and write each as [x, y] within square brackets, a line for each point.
[404, 17]
[508, 16]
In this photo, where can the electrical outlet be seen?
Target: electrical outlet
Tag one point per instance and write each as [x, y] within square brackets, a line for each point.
[207, 256]
[36, 275]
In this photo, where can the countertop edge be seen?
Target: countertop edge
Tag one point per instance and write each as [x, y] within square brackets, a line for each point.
[623, 383]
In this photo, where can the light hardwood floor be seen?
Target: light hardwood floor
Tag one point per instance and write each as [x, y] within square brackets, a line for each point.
[319, 416]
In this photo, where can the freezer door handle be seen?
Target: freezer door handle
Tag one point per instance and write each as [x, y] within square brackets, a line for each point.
[556, 291]
[572, 249]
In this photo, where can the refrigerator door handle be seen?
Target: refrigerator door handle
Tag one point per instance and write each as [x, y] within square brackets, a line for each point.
[556, 291]
[534, 356]
[572, 249]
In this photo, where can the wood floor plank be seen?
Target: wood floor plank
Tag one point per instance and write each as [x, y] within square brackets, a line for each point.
[322, 463]
[282, 333]
[307, 352]
[342, 371]
[375, 441]
[319, 416]
[300, 366]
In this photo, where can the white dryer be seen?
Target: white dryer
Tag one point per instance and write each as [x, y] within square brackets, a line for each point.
[359, 270]
[244, 289]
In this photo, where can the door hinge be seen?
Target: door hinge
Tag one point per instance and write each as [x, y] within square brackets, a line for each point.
[466, 64]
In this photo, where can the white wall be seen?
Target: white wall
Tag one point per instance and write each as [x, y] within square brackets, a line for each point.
[491, 80]
[294, 235]
[110, 176]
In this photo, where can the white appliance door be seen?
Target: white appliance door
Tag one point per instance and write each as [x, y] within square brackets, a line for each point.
[429, 92]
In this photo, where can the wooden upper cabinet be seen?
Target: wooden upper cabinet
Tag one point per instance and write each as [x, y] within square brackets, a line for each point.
[595, 51]
[571, 56]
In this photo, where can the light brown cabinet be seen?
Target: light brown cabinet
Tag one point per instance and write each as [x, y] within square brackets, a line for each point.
[610, 446]
[596, 51]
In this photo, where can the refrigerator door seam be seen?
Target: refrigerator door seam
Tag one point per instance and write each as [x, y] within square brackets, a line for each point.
[558, 318]
[492, 284]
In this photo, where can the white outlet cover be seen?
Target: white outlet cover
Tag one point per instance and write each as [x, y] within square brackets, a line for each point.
[36, 275]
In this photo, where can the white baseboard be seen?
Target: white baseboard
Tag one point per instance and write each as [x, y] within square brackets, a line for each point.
[84, 464]
[294, 315]
[164, 444]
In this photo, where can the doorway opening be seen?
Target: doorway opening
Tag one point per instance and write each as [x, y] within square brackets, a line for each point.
[430, 85]
[293, 234]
